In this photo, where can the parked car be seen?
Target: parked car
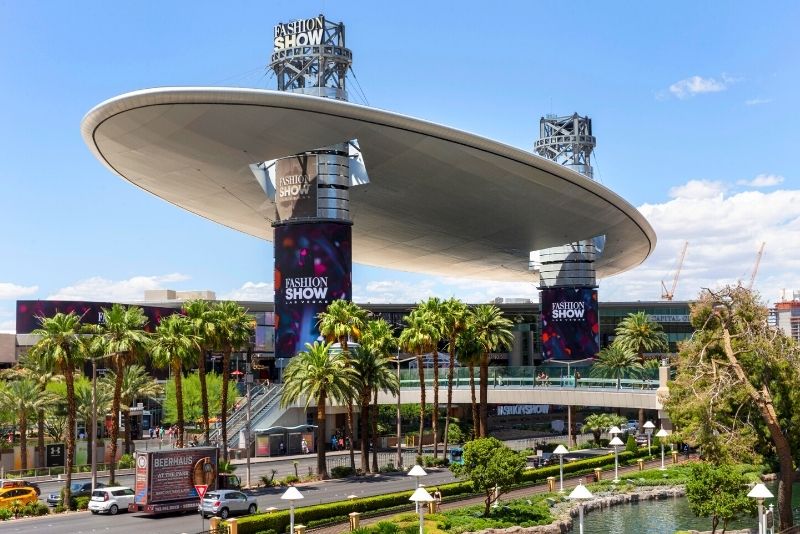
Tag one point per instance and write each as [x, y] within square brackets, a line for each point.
[22, 494]
[19, 483]
[110, 500]
[631, 426]
[77, 489]
[226, 502]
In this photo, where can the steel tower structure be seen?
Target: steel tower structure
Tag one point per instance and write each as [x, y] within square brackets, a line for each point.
[312, 228]
[568, 141]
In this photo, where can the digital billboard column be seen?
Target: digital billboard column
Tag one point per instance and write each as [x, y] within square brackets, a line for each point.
[570, 328]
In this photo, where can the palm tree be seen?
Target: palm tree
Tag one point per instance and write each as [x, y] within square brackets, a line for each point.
[615, 362]
[204, 328]
[373, 375]
[318, 374]
[24, 398]
[454, 321]
[597, 423]
[379, 338]
[136, 384]
[173, 347]
[342, 321]
[418, 337]
[234, 329]
[433, 309]
[469, 350]
[639, 333]
[494, 332]
[59, 347]
[124, 340]
[83, 401]
[34, 368]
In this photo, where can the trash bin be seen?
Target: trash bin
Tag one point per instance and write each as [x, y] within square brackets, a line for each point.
[674, 457]
[355, 519]
[641, 464]
[551, 484]
[598, 474]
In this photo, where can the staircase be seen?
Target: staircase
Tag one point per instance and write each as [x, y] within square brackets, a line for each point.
[264, 402]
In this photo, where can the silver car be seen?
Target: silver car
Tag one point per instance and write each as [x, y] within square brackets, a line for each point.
[226, 502]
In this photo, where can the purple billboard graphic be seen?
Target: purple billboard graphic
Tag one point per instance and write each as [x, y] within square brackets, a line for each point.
[313, 265]
[570, 326]
[29, 311]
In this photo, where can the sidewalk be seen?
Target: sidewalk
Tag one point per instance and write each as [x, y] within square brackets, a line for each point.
[569, 484]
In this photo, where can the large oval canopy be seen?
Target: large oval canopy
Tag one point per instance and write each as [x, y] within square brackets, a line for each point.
[439, 200]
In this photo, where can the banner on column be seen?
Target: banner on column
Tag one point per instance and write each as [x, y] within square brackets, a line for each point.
[570, 329]
[313, 265]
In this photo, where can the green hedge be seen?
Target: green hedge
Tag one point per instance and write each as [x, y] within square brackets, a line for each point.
[321, 513]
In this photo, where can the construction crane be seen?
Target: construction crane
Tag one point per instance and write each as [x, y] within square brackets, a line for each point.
[669, 294]
[755, 267]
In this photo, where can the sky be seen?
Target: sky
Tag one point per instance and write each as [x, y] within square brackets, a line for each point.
[693, 105]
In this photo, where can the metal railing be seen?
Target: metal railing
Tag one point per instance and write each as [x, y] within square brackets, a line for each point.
[530, 377]
[238, 414]
[266, 402]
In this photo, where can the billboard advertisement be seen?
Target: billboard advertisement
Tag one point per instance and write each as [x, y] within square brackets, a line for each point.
[313, 262]
[28, 312]
[296, 187]
[570, 323]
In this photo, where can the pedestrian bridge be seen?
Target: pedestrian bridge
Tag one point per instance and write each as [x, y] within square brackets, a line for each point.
[536, 385]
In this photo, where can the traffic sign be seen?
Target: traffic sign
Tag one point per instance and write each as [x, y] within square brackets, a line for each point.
[201, 490]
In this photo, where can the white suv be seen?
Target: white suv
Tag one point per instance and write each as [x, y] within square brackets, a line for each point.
[111, 500]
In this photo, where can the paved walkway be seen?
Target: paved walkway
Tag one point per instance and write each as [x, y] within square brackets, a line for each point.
[569, 484]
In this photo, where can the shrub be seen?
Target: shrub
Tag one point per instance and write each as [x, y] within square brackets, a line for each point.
[82, 503]
[125, 462]
[342, 471]
[630, 444]
[36, 509]
[289, 480]
[57, 510]
[5, 514]
[386, 527]
[430, 461]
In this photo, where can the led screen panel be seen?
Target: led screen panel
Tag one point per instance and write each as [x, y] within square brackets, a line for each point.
[313, 265]
[570, 326]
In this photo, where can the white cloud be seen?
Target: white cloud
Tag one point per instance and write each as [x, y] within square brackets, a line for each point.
[103, 289]
[252, 291]
[724, 235]
[763, 180]
[698, 189]
[695, 85]
[757, 101]
[9, 291]
[8, 327]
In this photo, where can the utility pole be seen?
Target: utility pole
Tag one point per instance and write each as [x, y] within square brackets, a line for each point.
[248, 380]
[93, 443]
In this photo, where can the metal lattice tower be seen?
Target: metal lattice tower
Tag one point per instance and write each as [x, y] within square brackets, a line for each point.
[568, 141]
[310, 57]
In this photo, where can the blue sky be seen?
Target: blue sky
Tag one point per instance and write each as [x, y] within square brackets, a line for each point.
[694, 107]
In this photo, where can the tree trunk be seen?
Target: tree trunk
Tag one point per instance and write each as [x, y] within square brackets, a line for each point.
[375, 468]
[364, 431]
[475, 416]
[763, 400]
[115, 422]
[226, 376]
[322, 467]
[201, 374]
[40, 438]
[176, 371]
[351, 434]
[421, 373]
[70, 452]
[126, 416]
[23, 439]
[484, 391]
[435, 415]
[449, 397]
[89, 441]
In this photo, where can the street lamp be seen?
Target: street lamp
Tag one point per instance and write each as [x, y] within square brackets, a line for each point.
[662, 434]
[561, 451]
[580, 493]
[417, 471]
[292, 494]
[648, 429]
[760, 492]
[616, 442]
[421, 495]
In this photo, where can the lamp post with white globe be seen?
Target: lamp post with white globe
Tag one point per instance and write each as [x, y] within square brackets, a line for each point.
[662, 434]
[419, 496]
[292, 494]
[561, 451]
[616, 442]
[416, 472]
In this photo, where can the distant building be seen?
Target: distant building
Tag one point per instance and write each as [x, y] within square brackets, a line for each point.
[786, 316]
